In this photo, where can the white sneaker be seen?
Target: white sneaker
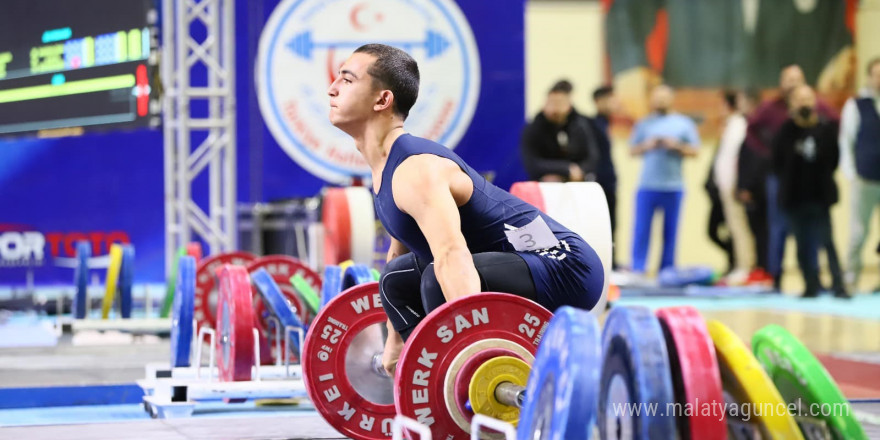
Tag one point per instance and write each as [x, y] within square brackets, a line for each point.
[737, 278]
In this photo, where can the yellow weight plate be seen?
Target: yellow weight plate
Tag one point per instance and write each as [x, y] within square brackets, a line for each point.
[344, 265]
[487, 377]
[112, 281]
[756, 398]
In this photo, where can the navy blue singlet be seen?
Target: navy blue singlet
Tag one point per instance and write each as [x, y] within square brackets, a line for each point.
[564, 275]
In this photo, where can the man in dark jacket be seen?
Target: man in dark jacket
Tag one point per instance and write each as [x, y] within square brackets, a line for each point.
[805, 155]
[560, 145]
[764, 125]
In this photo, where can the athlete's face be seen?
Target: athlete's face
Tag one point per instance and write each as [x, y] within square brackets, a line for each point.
[352, 94]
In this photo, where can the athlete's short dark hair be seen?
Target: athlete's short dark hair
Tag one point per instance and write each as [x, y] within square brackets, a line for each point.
[394, 70]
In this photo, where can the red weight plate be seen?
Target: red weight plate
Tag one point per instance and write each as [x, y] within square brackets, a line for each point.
[341, 377]
[439, 348]
[696, 376]
[267, 348]
[529, 192]
[194, 249]
[206, 283]
[235, 324]
[336, 218]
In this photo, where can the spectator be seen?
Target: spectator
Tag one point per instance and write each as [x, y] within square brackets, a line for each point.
[860, 163]
[763, 127]
[752, 168]
[606, 106]
[663, 138]
[805, 155]
[724, 173]
[717, 223]
[559, 145]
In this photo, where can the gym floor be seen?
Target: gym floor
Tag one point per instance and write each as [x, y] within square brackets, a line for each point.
[843, 335]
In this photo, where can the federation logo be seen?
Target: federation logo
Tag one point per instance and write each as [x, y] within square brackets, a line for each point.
[306, 41]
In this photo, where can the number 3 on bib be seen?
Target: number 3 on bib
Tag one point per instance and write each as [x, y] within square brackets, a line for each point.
[531, 237]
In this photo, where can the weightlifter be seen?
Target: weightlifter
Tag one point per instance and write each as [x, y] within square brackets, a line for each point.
[453, 233]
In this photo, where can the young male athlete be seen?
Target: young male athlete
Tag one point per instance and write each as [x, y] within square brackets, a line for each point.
[453, 233]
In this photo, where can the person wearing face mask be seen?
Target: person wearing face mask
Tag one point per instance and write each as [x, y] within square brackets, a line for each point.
[662, 139]
[763, 126]
[805, 156]
[560, 144]
[860, 163]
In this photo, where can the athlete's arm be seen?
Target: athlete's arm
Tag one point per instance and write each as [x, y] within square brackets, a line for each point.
[430, 189]
[395, 250]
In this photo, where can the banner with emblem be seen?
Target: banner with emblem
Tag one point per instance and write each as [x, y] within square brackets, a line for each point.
[304, 43]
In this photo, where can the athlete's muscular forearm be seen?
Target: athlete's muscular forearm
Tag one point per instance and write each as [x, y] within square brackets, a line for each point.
[430, 189]
[456, 273]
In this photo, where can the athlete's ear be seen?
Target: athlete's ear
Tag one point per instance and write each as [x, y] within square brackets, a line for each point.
[385, 101]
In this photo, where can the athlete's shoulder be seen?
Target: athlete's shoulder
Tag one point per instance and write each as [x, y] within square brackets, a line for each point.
[413, 141]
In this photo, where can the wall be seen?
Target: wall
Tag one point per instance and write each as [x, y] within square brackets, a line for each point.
[565, 38]
[100, 184]
[564, 41]
[868, 34]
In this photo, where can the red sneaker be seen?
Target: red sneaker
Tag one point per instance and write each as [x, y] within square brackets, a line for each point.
[759, 276]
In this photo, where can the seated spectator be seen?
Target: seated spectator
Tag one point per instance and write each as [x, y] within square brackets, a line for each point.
[560, 144]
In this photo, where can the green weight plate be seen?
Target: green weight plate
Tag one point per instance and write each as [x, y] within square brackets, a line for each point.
[804, 382]
[172, 284]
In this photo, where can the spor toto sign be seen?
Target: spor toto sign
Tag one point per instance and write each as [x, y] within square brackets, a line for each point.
[306, 41]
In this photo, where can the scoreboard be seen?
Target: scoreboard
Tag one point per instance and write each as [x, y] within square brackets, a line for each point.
[68, 66]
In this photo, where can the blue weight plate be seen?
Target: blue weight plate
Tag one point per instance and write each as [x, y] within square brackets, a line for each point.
[635, 388]
[684, 276]
[81, 279]
[332, 284]
[126, 280]
[274, 298]
[356, 274]
[183, 311]
[561, 393]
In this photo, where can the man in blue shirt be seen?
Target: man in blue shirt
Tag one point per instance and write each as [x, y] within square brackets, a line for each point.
[663, 139]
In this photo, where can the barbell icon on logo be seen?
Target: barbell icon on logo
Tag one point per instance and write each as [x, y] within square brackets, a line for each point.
[303, 45]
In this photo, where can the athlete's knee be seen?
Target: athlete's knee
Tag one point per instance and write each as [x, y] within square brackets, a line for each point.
[432, 293]
[399, 281]
[401, 263]
[401, 273]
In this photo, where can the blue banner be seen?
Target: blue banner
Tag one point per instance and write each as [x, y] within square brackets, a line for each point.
[109, 187]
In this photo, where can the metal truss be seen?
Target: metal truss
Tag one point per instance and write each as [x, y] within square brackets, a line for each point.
[199, 123]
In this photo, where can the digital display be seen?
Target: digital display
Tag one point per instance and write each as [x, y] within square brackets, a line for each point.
[77, 64]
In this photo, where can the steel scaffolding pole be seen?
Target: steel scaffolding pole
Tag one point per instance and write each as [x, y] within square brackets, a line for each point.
[185, 47]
